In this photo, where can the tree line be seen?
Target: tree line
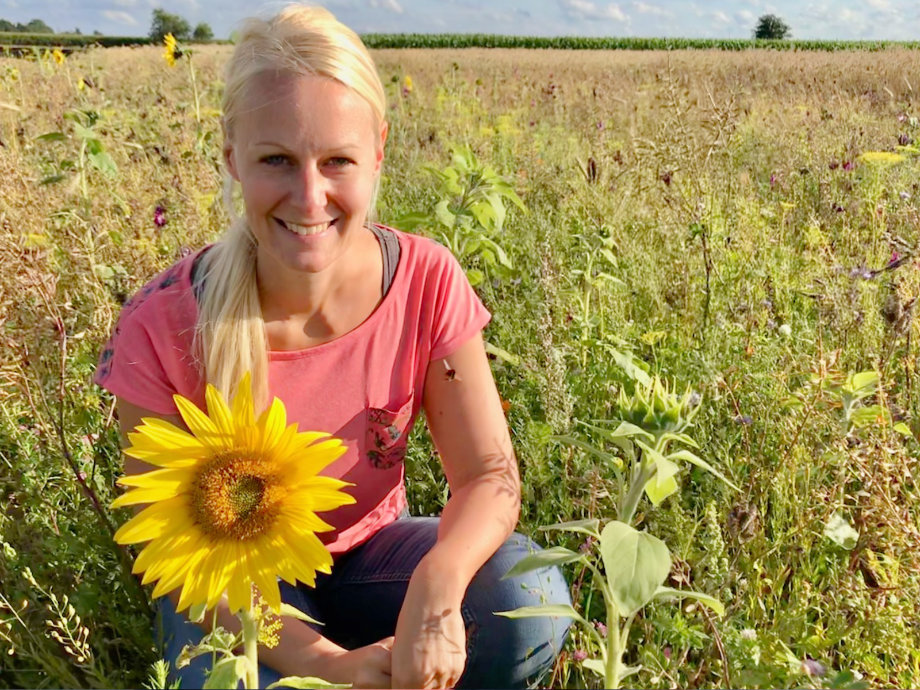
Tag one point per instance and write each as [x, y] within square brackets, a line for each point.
[162, 23]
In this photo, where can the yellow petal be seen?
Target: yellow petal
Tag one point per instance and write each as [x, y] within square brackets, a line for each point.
[201, 425]
[243, 406]
[262, 574]
[221, 567]
[271, 425]
[219, 412]
[154, 521]
[239, 592]
[152, 494]
[170, 476]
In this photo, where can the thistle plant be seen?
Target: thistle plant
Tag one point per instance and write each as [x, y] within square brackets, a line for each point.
[629, 566]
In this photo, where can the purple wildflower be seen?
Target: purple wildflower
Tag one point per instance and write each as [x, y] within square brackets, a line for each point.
[601, 628]
[667, 653]
[600, 125]
[743, 419]
[159, 216]
[772, 179]
[813, 668]
[905, 140]
[580, 655]
[848, 165]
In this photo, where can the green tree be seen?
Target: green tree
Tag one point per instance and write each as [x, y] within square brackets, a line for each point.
[202, 32]
[6, 25]
[165, 23]
[37, 26]
[771, 26]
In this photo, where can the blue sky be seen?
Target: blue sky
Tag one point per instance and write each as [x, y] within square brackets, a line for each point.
[828, 19]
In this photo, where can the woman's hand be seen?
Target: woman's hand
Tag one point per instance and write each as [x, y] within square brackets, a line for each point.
[364, 667]
[430, 646]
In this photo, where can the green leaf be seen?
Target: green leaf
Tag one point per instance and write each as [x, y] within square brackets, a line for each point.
[502, 354]
[636, 564]
[867, 416]
[839, 531]
[104, 163]
[903, 429]
[196, 611]
[628, 364]
[51, 136]
[83, 132]
[556, 555]
[410, 221]
[293, 612]
[590, 527]
[671, 593]
[862, 384]
[699, 462]
[595, 665]
[475, 276]
[659, 489]
[443, 214]
[561, 610]
[306, 683]
[485, 215]
[227, 673]
[588, 448]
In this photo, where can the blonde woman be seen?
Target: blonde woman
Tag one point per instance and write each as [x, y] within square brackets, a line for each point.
[355, 327]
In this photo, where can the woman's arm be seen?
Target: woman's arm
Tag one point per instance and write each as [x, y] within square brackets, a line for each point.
[301, 651]
[468, 426]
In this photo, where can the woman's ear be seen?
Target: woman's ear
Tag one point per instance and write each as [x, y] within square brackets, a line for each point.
[230, 161]
[384, 129]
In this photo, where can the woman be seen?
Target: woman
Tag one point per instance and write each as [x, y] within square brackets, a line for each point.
[355, 327]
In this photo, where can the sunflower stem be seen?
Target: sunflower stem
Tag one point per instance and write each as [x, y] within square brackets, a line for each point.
[250, 647]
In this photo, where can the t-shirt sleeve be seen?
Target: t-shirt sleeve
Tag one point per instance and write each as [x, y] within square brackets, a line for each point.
[131, 368]
[459, 313]
[149, 356]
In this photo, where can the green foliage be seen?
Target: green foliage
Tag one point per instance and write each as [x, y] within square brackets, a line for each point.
[771, 27]
[202, 32]
[619, 43]
[470, 215]
[162, 23]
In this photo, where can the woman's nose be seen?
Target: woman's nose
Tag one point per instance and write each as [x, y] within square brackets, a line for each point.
[311, 188]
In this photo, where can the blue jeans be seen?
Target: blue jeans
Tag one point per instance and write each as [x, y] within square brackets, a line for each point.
[360, 602]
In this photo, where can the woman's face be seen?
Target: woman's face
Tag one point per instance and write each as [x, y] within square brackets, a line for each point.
[306, 151]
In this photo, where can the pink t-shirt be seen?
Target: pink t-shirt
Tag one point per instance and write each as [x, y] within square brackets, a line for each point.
[364, 387]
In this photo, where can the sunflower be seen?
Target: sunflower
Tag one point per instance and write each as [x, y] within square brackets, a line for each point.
[234, 503]
[171, 50]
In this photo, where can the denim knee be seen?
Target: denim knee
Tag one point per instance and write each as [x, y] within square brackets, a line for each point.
[507, 652]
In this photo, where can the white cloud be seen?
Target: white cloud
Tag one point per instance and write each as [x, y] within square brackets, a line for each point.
[878, 4]
[125, 3]
[583, 9]
[654, 10]
[720, 17]
[391, 5]
[119, 17]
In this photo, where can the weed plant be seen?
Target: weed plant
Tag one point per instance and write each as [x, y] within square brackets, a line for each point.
[711, 218]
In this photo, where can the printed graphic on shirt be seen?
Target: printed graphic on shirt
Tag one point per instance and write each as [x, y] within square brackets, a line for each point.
[386, 436]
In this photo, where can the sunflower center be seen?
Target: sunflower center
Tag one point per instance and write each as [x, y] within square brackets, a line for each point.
[236, 497]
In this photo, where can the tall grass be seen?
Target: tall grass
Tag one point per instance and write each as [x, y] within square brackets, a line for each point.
[760, 256]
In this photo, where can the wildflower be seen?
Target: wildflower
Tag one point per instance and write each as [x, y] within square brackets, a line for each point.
[234, 503]
[772, 179]
[159, 216]
[58, 56]
[848, 165]
[785, 330]
[905, 140]
[171, 50]
[748, 634]
[881, 158]
[813, 668]
[580, 655]
[407, 85]
[743, 418]
[601, 628]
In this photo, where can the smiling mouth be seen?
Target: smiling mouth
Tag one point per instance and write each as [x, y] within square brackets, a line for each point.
[305, 230]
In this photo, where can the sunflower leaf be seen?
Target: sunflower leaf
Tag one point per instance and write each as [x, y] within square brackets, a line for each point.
[293, 612]
[227, 673]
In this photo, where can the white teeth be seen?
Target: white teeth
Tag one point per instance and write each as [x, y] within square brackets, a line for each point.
[306, 229]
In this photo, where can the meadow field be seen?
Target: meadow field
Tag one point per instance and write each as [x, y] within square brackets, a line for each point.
[742, 225]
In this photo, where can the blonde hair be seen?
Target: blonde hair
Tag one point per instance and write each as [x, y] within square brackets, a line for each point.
[300, 40]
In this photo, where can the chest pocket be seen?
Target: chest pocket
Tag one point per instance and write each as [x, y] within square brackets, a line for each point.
[386, 434]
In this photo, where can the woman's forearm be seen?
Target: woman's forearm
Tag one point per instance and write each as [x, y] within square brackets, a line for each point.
[476, 521]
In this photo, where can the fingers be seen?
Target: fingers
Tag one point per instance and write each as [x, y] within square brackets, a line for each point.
[387, 643]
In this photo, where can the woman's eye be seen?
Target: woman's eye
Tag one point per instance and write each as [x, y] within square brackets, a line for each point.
[275, 159]
[339, 162]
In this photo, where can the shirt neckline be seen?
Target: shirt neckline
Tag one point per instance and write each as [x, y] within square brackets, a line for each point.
[357, 331]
